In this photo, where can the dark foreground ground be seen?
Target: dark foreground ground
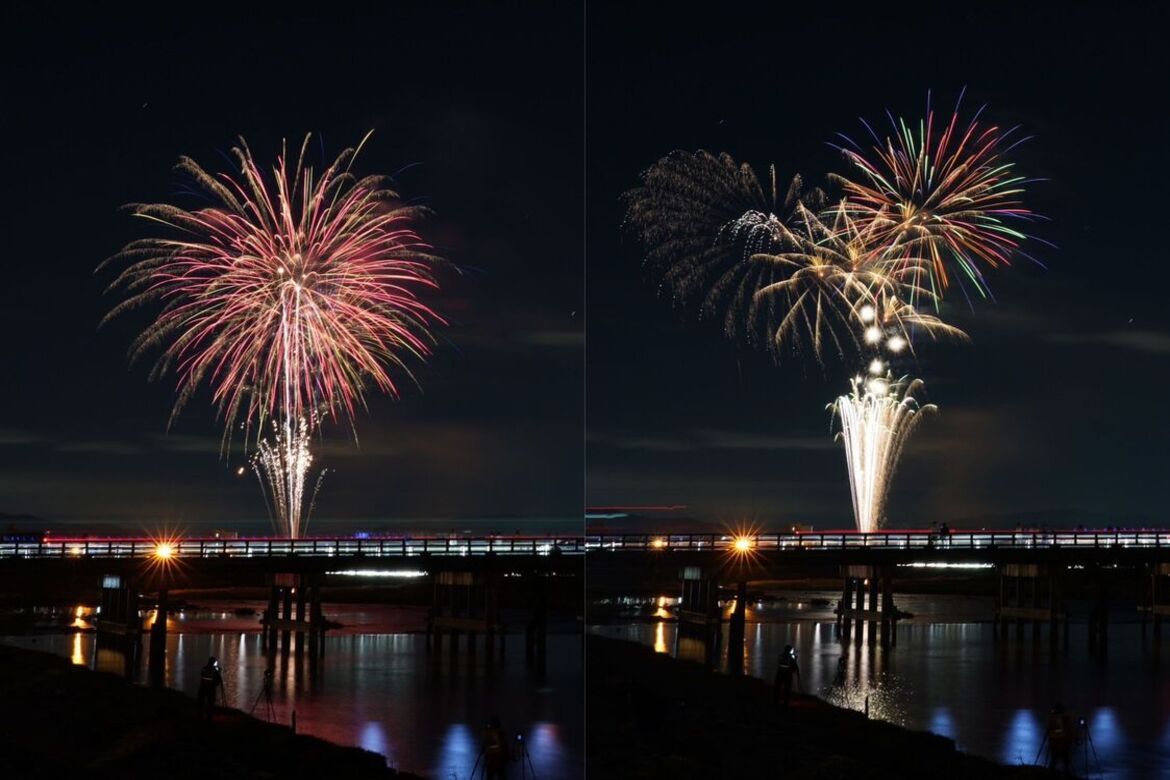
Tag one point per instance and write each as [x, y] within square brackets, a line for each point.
[58, 720]
[652, 716]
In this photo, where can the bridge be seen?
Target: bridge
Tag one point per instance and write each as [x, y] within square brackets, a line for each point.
[467, 573]
[1031, 566]
[911, 544]
[142, 548]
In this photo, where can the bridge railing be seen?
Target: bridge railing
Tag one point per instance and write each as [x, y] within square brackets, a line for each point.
[889, 540]
[401, 547]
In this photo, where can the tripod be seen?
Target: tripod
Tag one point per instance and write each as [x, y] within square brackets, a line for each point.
[266, 694]
[1087, 743]
[1043, 742]
[526, 767]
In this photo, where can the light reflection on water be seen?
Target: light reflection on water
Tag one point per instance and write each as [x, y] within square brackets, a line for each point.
[383, 692]
[992, 697]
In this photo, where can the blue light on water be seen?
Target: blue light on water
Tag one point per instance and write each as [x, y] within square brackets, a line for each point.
[458, 753]
[374, 738]
[942, 723]
[1022, 740]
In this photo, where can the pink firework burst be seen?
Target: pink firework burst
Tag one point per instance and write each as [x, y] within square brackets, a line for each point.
[290, 295]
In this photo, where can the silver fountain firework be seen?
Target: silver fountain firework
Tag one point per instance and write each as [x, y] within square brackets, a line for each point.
[877, 418]
[282, 466]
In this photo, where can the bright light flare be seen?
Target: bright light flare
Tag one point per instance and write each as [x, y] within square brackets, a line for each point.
[743, 544]
[658, 543]
[164, 551]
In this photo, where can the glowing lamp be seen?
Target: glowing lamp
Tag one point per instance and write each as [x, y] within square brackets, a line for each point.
[743, 544]
[164, 551]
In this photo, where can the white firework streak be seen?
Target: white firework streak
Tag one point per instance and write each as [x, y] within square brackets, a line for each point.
[282, 466]
[876, 420]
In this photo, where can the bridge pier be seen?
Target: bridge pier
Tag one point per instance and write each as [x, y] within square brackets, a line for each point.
[1030, 592]
[279, 616]
[1157, 610]
[119, 622]
[468, 602]
[698, 610]
[880, 613]
[736, 629]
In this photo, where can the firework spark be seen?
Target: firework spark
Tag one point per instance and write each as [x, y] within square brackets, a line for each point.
[877, 418]
[289, 295]
[941, 190]
[282, 467]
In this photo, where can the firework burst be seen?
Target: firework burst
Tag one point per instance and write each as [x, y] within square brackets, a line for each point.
[289, 295]
[877, 418]
[940, 190]
[292, 292]
[840, 289]
[701, 217]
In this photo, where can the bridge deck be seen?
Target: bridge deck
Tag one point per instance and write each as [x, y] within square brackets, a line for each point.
[838, 541]
[348, 547]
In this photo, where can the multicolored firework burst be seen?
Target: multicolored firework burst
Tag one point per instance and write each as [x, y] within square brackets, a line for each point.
[940, 190]
[853, 277]
[877, 418]
[289, 295]
[839, 288]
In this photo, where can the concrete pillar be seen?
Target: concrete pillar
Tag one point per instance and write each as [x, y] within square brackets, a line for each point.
[736, 630]
[874, 590]
[889, 619]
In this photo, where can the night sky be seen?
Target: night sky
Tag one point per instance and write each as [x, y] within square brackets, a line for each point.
[477, 113]
[1053, 414]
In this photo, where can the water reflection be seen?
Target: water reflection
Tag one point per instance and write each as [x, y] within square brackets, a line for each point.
[385, 693]
[1021, 742]
[78, 655]
[460, 751]
[373, 738]
[991, 697]
[942, 723]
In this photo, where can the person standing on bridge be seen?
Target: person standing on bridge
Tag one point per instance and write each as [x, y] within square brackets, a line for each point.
[210, 684]
[785, 671]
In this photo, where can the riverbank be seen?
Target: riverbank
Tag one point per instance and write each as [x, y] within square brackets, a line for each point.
[652, 716]
[62, 720]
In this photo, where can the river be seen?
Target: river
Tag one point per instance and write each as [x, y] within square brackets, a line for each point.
[992, 697]
[376, 686]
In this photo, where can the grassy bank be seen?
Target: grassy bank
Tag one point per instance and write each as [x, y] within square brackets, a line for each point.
[61, 720]
[652, 716]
